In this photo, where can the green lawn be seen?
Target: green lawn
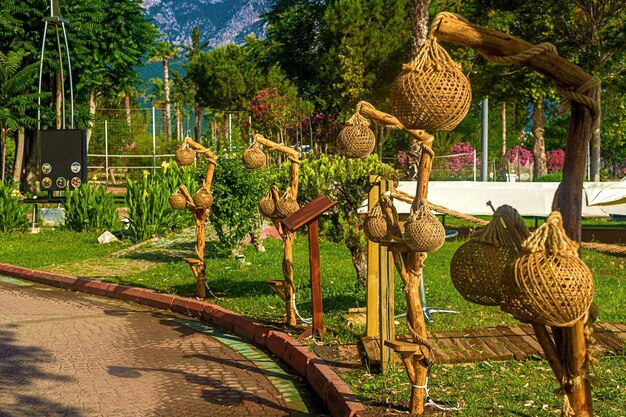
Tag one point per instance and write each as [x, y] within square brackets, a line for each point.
[487, 388]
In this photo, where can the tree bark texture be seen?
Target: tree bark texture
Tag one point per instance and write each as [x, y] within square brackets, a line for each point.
[20, 143]
[539, 144]
[360, 265]
[127, 108]
[167, 115]
[503, 129]
[197, 124]
[419, 21]
[92, 115]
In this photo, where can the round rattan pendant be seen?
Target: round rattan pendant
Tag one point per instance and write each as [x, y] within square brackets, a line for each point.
[356, 139]
[266, 205]
[375, 225]
[178, 201]
[203, 199]
[286, 205]
[477, 266]
[431, 93]
[548, 283]
[253, 157]
[185, 155]
[422, 231]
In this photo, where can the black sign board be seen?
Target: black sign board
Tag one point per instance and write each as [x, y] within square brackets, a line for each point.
[63, 159]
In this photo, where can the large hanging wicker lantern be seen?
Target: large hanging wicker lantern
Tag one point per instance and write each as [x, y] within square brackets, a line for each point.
[185, 155]
[286, 205]
[253, 157]
[203, 199]
[477, 266]
[548, 283]
[423, 231]
[267, 207]
[178, 201]
[375, 225]
[356, 139]
[431, 93]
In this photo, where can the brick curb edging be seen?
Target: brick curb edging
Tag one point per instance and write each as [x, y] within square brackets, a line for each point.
[335, 393]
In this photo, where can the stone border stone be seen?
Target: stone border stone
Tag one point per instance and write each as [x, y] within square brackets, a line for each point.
[335, 393]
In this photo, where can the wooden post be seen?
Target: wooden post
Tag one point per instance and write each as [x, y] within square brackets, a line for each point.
[386, 288]
[373, 276]
[308, 215]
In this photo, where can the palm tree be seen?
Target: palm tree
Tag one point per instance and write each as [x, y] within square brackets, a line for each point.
[163, 52]
[15, 100]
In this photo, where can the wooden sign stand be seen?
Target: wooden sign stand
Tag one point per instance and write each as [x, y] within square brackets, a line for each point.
[308, 216]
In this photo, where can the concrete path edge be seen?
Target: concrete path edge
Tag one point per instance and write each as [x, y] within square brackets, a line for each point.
[335, 393]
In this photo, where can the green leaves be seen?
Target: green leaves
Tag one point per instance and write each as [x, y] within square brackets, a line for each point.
[12, 210]
[90, 208]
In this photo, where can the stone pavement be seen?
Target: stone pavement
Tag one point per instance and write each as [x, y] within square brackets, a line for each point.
[68, 354]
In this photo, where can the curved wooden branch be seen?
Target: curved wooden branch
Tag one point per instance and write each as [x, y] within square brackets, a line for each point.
[369, 111]
[278, 147]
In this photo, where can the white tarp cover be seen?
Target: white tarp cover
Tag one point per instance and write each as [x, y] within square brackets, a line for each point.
[606, 193]
[528, 198]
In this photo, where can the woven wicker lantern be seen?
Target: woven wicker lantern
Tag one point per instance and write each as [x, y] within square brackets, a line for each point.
[253, 157]
[178, 201]
[477, 266]
[548, 283]
[185, 155]
[286, 205]
[356, 139]
[375, 225]
[422, 231]
[203, 199]
[431, 93]
[267, 206]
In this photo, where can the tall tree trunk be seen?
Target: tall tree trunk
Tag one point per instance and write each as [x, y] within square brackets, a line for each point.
[179, 123]
[92, 115]
[419, 19]
[539, 146]
[167, 116]
[360, 265]
[59, 100]
[197, 123]
[19, 154]
[127, 108]
[3, 151]
[503, 128]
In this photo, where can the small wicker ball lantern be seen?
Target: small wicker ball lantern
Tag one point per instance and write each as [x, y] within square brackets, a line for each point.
[185, 155]
[375, 225]
[356, 139]
[267, 206]
[203, 199]
[178, 201]
[423, 231]
[478, 265]
[286, 205]
[253, 157]
[431, 93]
[548, 283]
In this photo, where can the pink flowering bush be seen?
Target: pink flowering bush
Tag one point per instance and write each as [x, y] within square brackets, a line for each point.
[128, 147]
[523, 156]
[555, 160]
[465, 158]
[322, 127]
[272, 112]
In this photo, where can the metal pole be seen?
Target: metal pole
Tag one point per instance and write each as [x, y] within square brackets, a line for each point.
[474, 162]
[106, 153]
[484, 141]
[153, 138]
[43, 48]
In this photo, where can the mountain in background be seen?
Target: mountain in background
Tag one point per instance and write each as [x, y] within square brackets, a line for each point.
[220, 21]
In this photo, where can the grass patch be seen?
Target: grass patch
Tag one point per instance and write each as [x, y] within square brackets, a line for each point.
[506, 388]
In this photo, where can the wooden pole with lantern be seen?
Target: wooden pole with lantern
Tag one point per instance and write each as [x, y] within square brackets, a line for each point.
[199, 205]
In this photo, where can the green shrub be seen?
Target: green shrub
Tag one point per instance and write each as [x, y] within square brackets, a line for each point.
[90, 208]
[236, 195]
[147, 200]
[341, 179]
[12, 210]
[552, 177]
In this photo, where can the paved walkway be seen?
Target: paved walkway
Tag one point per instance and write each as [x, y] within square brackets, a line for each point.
[71, 354]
